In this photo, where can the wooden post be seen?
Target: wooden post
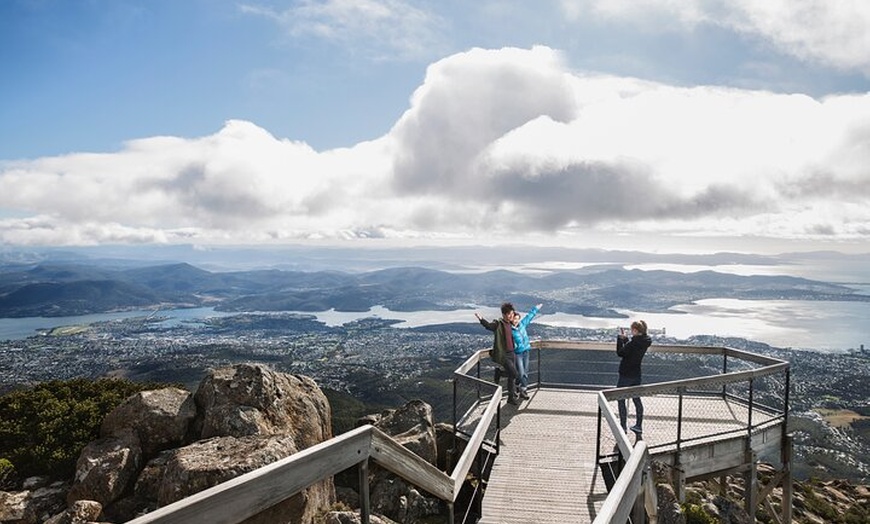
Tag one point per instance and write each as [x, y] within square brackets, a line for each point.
[365, 504]
[651, 499]
[750, 485]
[787, 483]
[638, 513]
[679, 480]
[679, 475]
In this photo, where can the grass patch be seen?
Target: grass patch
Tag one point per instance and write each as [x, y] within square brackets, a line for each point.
[839, 418]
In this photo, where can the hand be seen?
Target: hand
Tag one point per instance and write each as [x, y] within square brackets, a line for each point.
[539, 306]
[476, 314]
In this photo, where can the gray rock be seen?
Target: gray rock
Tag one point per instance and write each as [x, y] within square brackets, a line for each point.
[251, 399]
[350, 517]
[160, 418]
[105, 467]
[80, 512]
[411, 425]
[33, 506]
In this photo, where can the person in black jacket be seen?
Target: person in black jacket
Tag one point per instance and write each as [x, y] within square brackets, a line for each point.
[632, 352]
[503, 348]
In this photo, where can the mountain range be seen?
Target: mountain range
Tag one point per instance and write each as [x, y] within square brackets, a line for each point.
[65, 289]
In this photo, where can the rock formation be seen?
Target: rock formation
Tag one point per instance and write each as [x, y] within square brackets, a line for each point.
[413, 426]
[160, 446]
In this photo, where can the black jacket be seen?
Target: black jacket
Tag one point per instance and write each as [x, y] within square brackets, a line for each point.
[632, 352]
[502, 342]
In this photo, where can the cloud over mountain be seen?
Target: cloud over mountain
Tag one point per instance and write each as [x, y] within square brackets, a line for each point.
[501, 142]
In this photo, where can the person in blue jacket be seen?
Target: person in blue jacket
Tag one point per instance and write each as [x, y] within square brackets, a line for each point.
[522, 346]
[631, 351]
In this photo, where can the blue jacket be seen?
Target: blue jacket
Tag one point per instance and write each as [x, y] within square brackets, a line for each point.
[521, 337]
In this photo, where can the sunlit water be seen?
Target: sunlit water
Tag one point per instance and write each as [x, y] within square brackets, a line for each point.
[823, 326]
[804, 324]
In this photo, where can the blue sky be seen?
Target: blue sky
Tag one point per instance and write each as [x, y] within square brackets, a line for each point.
[718, 124]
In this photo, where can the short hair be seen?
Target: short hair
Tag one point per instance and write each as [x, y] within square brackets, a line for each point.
[640, 326]
[506, 308]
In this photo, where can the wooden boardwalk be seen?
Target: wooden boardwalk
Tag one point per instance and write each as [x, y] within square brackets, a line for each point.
[545, 471]
[546, 468]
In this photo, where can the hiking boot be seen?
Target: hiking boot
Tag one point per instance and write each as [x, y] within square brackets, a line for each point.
[637, 429]
[524, 395]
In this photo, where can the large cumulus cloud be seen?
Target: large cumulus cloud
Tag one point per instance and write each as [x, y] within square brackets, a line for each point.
[494, 142]
[817, 31]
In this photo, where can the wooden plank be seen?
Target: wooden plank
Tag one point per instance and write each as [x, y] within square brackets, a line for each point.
[246, 495]
[546, 471]
[405, 463]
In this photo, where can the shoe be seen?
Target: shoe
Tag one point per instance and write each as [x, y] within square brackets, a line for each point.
[637, 429]
[524, 395]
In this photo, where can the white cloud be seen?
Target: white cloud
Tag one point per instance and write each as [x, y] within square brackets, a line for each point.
[495, 142]
[376, 29]
[832, 33]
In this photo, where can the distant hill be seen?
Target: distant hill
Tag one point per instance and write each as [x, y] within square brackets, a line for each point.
[47, 299]
[60, 289]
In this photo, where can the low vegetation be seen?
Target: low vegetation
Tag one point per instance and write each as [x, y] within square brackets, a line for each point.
[44, 428]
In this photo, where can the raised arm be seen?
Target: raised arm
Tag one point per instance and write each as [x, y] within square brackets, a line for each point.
[485, 323]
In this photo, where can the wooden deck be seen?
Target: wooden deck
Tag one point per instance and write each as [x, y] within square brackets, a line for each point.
[546, 468]
[545, 471]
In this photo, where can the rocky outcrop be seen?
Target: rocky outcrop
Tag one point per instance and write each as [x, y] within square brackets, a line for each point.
[160, 446]
[814, 501]
[252, 400]
[413, 426]
[35, 504]
[105, 468]
[159, 418]
[80, 512]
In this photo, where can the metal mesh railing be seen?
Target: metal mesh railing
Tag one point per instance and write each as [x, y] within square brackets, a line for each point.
[690, 394]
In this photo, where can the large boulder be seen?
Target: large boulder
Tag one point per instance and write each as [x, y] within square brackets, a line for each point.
[193, 468]
[160, 418]
[251, 399]
[180, 473]
[105, 467]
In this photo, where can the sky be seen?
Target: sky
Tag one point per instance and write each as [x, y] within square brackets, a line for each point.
[657, 124]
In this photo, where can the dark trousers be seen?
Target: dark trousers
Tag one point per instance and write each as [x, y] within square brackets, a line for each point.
[623, 409]
[510, 369]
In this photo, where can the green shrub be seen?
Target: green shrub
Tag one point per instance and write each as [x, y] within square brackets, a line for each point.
[44, 428]
[695, 514]
[8, 474]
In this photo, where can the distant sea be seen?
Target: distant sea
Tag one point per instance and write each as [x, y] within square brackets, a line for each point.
[826, 326]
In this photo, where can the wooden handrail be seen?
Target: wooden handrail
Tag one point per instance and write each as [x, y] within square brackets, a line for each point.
[674, 385]
[242, 497]
[467, 459]
[395, 457]
[620, 501]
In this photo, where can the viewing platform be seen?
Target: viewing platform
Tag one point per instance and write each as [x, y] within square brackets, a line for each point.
[561, 455]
